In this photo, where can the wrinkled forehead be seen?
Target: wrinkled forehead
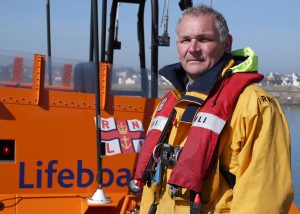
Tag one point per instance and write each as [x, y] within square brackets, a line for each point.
[202, 18]
[196, 23]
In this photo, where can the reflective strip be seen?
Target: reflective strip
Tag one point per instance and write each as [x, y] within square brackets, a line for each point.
[158, 123]
[137, 144]
[209, 121]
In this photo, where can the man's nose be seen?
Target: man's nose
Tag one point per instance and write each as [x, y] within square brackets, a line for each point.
[194, 46]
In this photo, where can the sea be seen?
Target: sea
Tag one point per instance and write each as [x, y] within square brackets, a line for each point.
[292, 113]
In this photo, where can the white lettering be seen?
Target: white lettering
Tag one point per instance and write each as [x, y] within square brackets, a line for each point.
[209, 121]
[158, 123]
[112, 147]
[135, 125]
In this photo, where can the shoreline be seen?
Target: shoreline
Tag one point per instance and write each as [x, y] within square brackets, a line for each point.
[286, 95]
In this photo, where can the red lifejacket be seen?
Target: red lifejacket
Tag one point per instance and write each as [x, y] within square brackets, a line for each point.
[161, 116]
[197, 154]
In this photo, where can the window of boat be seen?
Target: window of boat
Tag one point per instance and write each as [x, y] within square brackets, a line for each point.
[124, 80]
[16, 69]
[130, 81]
[60, 73]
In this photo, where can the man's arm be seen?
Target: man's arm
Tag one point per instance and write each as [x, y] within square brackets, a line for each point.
[263, 179]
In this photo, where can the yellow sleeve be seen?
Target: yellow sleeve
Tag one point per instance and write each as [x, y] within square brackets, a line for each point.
[263, 175]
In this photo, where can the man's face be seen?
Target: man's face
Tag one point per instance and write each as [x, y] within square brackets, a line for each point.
[198, 44]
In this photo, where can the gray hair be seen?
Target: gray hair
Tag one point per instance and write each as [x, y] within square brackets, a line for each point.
[204, 10]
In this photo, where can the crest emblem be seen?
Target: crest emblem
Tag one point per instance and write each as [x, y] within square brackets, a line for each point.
[124, 136]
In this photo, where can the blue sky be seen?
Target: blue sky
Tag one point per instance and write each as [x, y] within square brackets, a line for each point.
[271, 28]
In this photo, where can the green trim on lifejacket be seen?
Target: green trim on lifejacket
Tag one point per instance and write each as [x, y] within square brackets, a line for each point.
[249, 65]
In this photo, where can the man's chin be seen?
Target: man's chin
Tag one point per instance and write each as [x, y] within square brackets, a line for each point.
[193, 76]
[195, 70]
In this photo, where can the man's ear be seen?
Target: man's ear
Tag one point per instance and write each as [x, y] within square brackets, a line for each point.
[228, 43]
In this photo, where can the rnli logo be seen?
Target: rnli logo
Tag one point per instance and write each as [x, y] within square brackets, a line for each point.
[121, 136]
[268, 100]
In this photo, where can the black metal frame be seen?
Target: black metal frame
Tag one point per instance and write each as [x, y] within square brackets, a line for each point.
[107, 55]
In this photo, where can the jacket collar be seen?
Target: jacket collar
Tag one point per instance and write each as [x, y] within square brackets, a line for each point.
[176, 75]
[204, 84]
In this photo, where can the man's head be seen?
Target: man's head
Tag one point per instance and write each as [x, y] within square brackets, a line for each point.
[202, 39]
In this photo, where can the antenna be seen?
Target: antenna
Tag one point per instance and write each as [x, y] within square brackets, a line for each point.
[117, 44]
[49, 42]
[164, 39]
[212, 3]
[99, 196]
[48, 28]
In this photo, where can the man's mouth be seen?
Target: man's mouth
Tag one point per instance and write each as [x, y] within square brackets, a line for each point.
[192, 59]
[195, 60]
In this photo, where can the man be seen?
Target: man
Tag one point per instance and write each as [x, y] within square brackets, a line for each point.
[234, 138]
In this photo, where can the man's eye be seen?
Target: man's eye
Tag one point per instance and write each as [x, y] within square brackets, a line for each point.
[185, 41]
[203, 40]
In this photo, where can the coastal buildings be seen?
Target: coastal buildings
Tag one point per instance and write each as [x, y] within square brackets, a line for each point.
[275, 79]
[285, 87]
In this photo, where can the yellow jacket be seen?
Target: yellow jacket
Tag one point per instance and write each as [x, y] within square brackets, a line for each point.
[254, 146]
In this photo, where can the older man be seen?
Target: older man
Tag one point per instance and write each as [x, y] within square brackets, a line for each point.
[234, 137]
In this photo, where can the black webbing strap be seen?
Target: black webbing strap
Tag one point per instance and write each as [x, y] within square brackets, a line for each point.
[229, 177]
[153, 208]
